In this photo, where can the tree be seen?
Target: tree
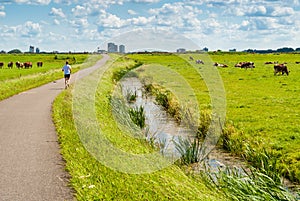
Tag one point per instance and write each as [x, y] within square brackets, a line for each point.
[15, 51]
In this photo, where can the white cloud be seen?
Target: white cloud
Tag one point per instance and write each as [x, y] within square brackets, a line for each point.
[131, 12]
[33, 2]
[29, 29]
[56, 22]
[79, 11]
[57, 12]
[108, 20]
[2, 14]
[146, 1]
[141, 20]
[80, 23]
[282, 11]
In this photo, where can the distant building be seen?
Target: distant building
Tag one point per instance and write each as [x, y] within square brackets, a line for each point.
[31, 49]
[111, 47]
[122, 49]
[37, 50]
[181, 50]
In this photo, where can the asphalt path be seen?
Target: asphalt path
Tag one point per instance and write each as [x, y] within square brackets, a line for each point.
[31, 166]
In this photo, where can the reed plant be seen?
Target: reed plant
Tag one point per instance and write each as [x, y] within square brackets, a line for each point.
[248, 185]
[137, 115]
[189, 150]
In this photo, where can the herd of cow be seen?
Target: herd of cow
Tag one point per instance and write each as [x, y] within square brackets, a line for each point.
[278, 67]
[21, 64]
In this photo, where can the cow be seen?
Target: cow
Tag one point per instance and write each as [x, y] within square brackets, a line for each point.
[199, 61]
[297, 62]
[27, 65]
[220, 65]
[191, 58]
[10, 64]
[39, 64]
[1, 64]
[271, 62]
[281, 68]
[19, 64]
[245, 65]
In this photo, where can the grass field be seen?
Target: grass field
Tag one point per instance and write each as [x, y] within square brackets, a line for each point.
[14, 81]
[265, 108]
[262, 108]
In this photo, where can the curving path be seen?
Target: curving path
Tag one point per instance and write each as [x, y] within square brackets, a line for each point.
[31, 167]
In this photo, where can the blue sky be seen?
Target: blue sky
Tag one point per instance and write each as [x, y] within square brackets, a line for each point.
[79, 25]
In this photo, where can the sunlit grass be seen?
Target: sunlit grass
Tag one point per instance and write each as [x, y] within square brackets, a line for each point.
[14, 81]
[94, 181]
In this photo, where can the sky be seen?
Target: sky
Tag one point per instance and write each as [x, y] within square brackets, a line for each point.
[88, 25]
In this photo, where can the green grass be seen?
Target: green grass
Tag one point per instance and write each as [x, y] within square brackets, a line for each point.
[14, 81]
[91, 179]
[265, 108]
[262, 109]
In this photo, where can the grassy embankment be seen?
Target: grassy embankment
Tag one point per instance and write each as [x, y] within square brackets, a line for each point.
[14, 81]
[94, 181]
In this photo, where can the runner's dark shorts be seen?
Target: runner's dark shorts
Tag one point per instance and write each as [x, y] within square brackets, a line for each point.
[67, 76]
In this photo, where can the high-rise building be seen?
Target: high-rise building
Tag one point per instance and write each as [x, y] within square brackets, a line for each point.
[31, 49]
[111, 47]
[37, 50]
[122, 48]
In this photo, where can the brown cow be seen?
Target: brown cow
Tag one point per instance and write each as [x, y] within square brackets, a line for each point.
[245, 65]
[19, 64]
[10, 64]
[39, 64]
[28, 65]
[271, 62]
[1, 64]
[281, 68]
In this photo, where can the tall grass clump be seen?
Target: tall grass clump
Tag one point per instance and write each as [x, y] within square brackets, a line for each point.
[131, 96]
[188, 149]
[248, 185]
[137, 115]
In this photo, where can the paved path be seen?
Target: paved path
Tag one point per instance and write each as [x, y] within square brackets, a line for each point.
[31, 167]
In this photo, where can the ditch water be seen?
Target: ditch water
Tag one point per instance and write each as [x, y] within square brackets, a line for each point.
[165, 132]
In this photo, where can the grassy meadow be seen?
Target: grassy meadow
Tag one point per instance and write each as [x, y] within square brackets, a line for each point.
[265, 108]
[262, 109]
[14, 81]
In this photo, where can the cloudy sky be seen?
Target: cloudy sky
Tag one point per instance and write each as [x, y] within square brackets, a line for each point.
[85, 25]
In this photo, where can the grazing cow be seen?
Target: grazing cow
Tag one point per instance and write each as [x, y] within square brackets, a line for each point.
[28, 65]
[39, 64]
[1, 64]
[245, 65]
[220, 65]
[10, 64]
[281, 68]
[297, 62]
[19, 64]
[199, 61]
[271, 62]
